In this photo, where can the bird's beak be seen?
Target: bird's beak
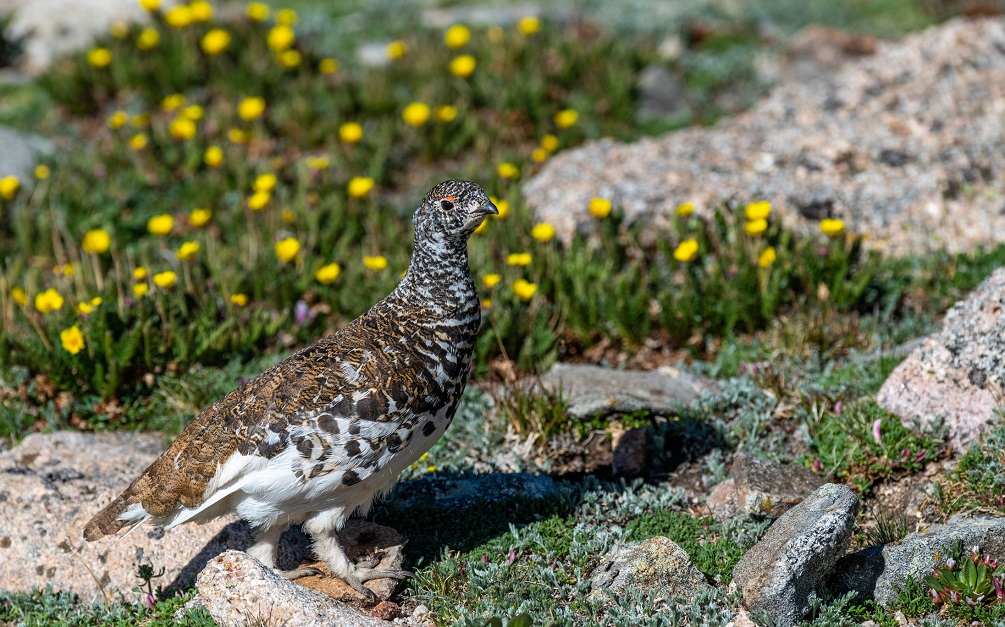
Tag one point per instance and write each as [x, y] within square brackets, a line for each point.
[488, 209]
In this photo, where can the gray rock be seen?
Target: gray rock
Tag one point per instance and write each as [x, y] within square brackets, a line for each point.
[781, 573]
[629, 452]
[17, 156]
[761, 488]
[237, 590]
[661, 94]
[657, 565]
[593, 390]
[484, 15]
[953, 374]
[880, 572]
[455, 494]
[878, 143]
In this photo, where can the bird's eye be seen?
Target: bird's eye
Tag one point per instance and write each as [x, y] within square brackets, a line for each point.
[447, 203]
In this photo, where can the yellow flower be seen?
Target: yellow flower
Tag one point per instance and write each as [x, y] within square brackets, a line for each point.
[502, 206]
[288, 216]
[215, 42]
[84, 308]
[481, 228]
[685, 209]
[280, 37]
[150, 5]
[96, 301]
[213, 156]
[251, 108]
[445, 113]
[378, 262]
[496, 34]
[238, 136]
[757, 210]
[491, 280]
[543, 232]
[416, 114]
[350, 132]
[518, 259]
[72, 340]
[188, 250]
[265, 182]
[396, 49]
[202, 11]
[165, 279]
[359, 186]
[172, 102]
[539, 155]
[463, 66]
[566, 118]
[486, 303]
[119, 29]
[182, 128]
[42, 172]
[148, 39]
[756, 227]
[140, 273]
[48, 301]
[9, 186]
[600, 207]
[258, 11]
[259, 200]
[290, 58]
[287, 249]
[508, 170]
[686, 251]
[193, 112]
[19, 296]
[287, 17]
[239, 299]
[96, 241]
[327, 274]
[767, 257]
[832, 227]
[327, 66]
[199, 217]
[549, 142]
[117, 120]
[457, 35]
[140, 120]
[139, 141]
[161, 225]
[99, 57]
[66, 270]
[178, 17]
[529, 25]
[318, 163]
[524, 289]
[140, 289]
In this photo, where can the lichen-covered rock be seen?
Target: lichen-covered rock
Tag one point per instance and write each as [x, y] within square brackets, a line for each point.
[657, 565]
[952, 375]
[878, 573]
[907, 154]
[782, 572]
[593, 390]
[238, 590]
[761, 488]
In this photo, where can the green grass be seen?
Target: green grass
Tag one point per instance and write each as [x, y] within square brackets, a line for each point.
[42, 608]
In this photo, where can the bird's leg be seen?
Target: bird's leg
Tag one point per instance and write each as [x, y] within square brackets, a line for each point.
[328, 549]
[266, 547]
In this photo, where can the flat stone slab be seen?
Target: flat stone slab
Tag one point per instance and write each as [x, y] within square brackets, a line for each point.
[658, 565]
[904, 145]
[879, 572]
[953, 373]
[782, 572]
[237, 590]
[761, 488]
[593, 390]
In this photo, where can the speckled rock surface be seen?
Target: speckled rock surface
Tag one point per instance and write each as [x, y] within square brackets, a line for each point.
[782, 572]
[592, 390]
[237, 590]
[879, 572]
[760, 488]
[657, 565]
[952, 373]
[904, 145]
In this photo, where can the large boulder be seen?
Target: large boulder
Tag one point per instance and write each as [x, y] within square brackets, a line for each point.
[953, 375]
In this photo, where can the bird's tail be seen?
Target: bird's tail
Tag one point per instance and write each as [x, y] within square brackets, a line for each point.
[124, 510]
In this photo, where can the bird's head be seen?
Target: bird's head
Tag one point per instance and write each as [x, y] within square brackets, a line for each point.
[451, 212]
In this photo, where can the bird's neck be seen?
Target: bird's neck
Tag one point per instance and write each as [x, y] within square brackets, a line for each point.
[438, 280]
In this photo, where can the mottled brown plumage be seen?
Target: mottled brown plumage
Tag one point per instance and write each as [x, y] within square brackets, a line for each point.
[320, 434]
